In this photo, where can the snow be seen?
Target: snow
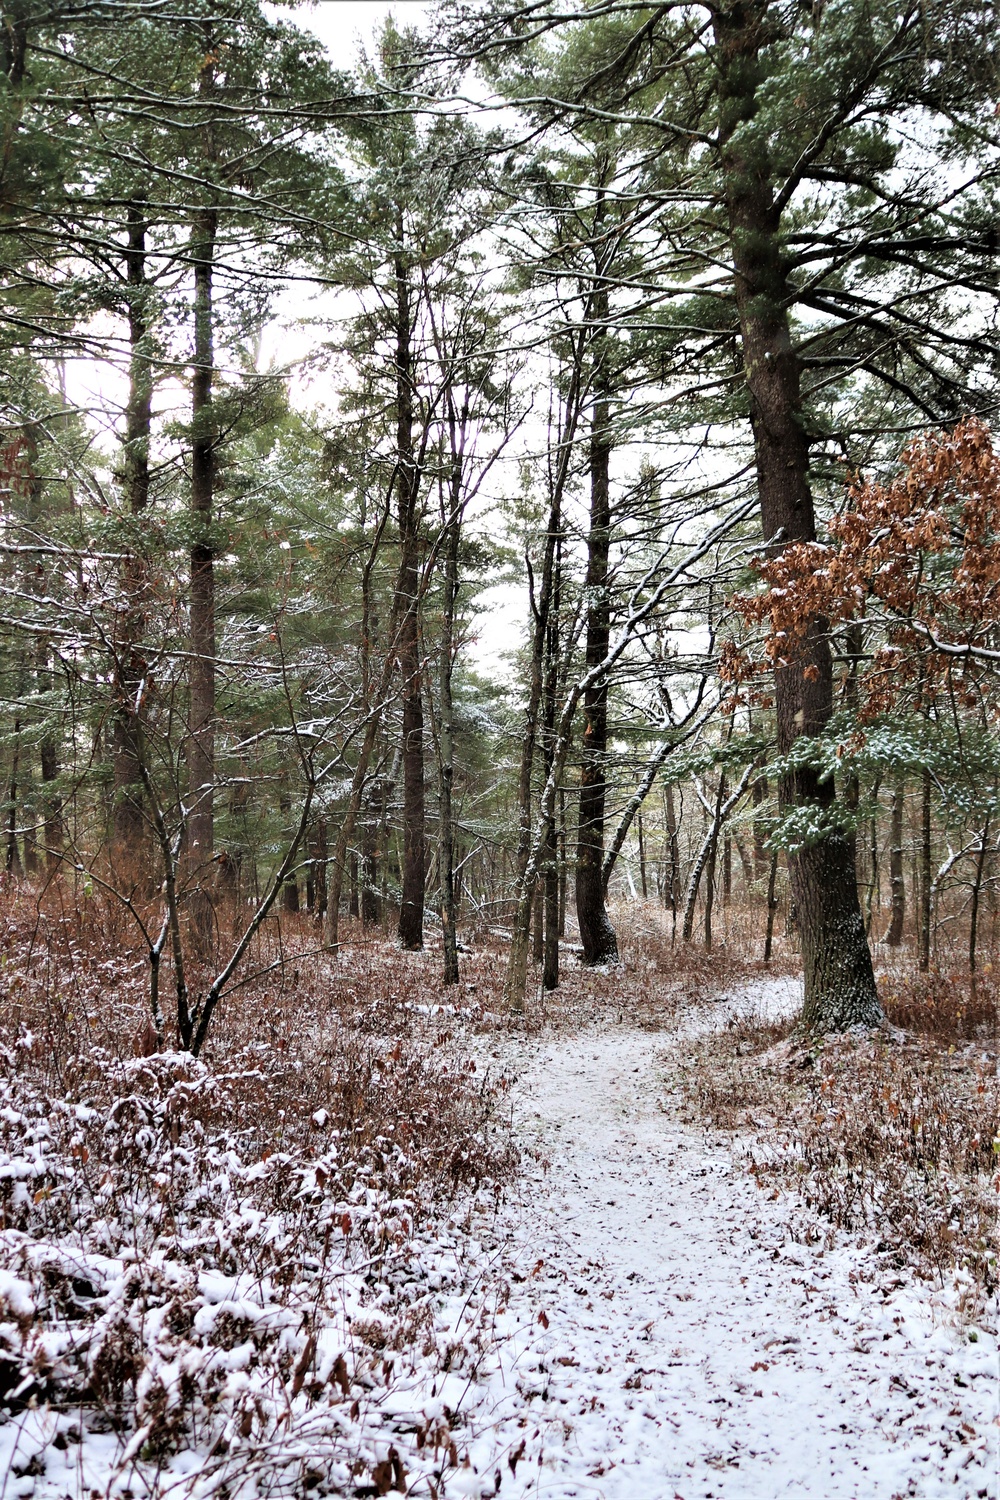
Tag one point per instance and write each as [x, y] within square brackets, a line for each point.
[15, 1296]
[635, 1321]
[664, 1335]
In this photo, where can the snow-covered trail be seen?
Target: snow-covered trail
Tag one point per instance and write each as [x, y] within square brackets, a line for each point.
[664, 1337]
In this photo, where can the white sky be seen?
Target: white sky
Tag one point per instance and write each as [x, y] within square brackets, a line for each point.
[99, 386]
[341, 24]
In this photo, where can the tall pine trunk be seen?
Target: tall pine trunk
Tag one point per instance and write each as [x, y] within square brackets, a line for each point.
[895, 933]
[446, 826]
[839, 981]
[597, 935]
[977, 886]
[541, 608]
[201, 729]
[411, 910]
[550, 868]
[673, 886]
[128, 810]
[926, 879]
[13, 859]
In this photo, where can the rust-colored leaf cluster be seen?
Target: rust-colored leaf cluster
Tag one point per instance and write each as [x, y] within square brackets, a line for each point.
[917, 560]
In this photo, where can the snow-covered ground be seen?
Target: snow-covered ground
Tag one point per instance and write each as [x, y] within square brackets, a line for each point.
[661, 1335]
[636, 1321]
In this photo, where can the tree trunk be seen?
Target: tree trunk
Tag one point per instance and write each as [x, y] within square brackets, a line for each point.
[713, 852]
[446, 826]
[201, 735]
[600, 944]
[895, 933]
[674, 883]
[642, 855]
[411, 910]
[694, 883]
[977, 886]
[541, 637]
[550, 862]
[563, 864]
[375, 707]
[13, 860]
[924, 936]
[873, 896]
[128, 812]
[538, 923]
[839, 981]
[371, 853]
[761, 791]
[550, 956]
[52, 803]
[772, 906]
[318, 865]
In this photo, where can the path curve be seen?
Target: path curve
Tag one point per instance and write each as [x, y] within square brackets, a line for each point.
[662, 1338]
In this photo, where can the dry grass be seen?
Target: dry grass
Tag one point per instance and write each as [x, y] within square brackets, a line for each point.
[953, 1007]
[887, 1134]
[235, 1255]
[312, 1163]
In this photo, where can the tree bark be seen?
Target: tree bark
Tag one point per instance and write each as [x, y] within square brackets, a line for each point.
[538, 922]
[895, 933]
[642, 855]
[318, 866]
[761, 791]
[446, 826]
[290, 889]
[924, 936]
[772, 907]
[839, 980]
[129, 823]
[540, 634]
[371, 854]
[713, 851]
[977, 886]
[563, 874]
[674, 880]
[550, 860]
[201, 729]
[52, 803]
[13, 860]
[411, 910]
[600, 945]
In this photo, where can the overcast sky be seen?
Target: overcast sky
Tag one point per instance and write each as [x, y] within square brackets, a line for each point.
[343, 23]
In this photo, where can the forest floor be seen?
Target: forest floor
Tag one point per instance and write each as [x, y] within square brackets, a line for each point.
[382, 1242]
[669, 1330]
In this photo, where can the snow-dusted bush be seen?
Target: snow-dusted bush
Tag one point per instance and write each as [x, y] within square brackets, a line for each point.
[235, 1275]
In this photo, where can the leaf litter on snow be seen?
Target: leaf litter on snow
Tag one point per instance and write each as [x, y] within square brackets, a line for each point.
[211, 1286]
[667, 1329]
[246, 1280]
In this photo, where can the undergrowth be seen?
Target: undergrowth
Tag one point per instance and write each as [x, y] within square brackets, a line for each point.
[222, 1273]
[888, 1134]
